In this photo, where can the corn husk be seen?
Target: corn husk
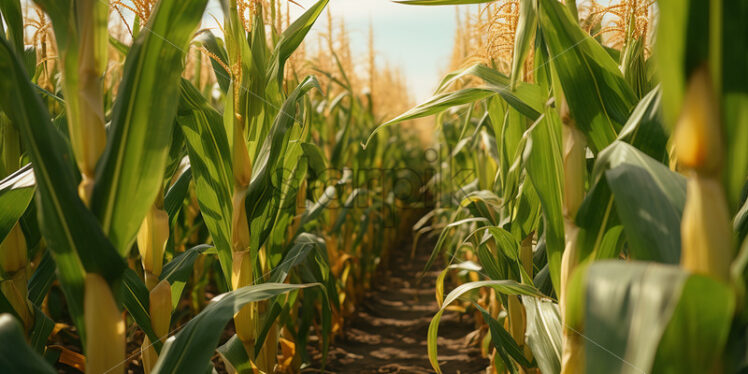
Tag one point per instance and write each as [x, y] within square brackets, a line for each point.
[105, 343]
[574, 148]
[706, 233]
[13, 262]
[706, 230]
[152, 238]
[268, 356]
[698, 134]
[160, 310]
[244, 320]
[572, 357]
[88, 135]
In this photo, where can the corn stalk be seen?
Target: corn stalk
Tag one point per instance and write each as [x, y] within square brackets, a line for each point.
[705, 230]
[574, 147]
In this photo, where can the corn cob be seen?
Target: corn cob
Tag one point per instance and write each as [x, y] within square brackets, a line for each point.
[105, 344]
[698, 134]
[151, 239]
[706, 233]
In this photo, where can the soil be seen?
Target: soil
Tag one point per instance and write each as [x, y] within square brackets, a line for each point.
[388, 332]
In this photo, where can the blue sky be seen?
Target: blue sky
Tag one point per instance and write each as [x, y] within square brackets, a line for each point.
[416, 39]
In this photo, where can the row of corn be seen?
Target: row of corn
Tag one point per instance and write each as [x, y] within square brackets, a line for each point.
[591, 190]
[170, 164]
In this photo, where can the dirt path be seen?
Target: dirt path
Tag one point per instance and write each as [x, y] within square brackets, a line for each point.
[388, 332]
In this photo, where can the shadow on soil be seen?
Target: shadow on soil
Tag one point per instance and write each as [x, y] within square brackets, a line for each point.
[388, 332]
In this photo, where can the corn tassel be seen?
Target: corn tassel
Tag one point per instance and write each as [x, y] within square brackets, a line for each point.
[706, 231]
[160, 310]
[105, 343]
[13, 262]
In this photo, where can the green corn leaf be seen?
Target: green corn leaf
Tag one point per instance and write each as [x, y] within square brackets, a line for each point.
[734, 97]
[292, 38]
[598, 222]
[597, 217]
[16, 192]
[445, 235]
[645, 129]
[435, 105]
[215, 46]
[234, 355]
[179, 269]
[699, 328]
[42, 279]
[22, 358]
[315, 159]
[544, 167]
[597, 94]
[13, 17]
[649, 200]
[507, 287]
[311, 213]
[526, 26]
[634, 318]
[210, 161]
[41, 330]
[130, 171]
[488, 75]
[6, 307]
[176, 194]
[544, 333]
[261, 205]
[71, 231]
[135, 298]
[193, 346]
[503, 341]
[527, 98]
[682, 46]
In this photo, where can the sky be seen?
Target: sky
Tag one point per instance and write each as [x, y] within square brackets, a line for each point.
[416, 39]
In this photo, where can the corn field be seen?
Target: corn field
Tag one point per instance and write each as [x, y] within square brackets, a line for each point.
[176, 198]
